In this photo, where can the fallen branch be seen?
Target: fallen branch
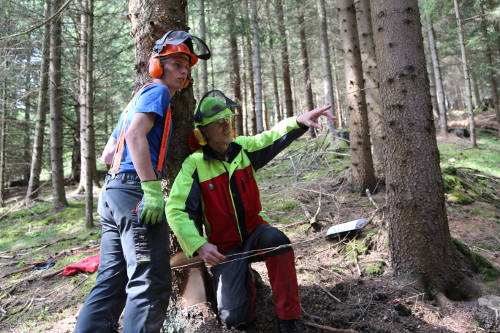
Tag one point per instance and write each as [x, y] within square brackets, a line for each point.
[327, 292]
[313, 220]
[369, 195]
[330, 329]
[51, 274]
[30, 267]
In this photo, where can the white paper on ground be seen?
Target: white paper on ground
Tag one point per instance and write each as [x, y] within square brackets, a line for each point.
[347, 226]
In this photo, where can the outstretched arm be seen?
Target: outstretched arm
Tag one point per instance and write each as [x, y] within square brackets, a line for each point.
[310, 118]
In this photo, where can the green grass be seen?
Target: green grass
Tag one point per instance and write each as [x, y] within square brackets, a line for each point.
[40, 225]
[485, 159]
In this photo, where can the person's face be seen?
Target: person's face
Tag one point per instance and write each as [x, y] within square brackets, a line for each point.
[176, 70]
[219, 133]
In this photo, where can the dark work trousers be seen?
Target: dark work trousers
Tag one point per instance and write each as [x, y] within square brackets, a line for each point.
[235, 290]
[132, 274]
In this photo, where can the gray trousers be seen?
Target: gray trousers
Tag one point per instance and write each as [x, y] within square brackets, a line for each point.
[134, 272]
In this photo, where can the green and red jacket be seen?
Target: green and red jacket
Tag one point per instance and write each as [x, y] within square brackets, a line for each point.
[227, 189]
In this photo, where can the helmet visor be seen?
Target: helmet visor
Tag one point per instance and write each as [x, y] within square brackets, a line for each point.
[213, 106]
[176, 37]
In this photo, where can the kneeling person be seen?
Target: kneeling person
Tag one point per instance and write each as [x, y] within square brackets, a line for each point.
[220, 176]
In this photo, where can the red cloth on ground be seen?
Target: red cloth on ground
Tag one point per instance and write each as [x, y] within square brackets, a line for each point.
[87, 265]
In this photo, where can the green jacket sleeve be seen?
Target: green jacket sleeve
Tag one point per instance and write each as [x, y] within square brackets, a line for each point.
[181, 206]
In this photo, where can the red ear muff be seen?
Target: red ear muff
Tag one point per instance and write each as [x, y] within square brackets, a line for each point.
[155, 68]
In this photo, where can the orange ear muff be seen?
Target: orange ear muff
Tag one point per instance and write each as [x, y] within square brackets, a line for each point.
[198, 135]
[155, 68]
[188, 79]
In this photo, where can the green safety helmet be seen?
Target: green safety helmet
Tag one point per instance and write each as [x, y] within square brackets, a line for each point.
[213, 106]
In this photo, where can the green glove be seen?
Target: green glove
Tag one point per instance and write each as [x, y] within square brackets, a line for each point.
[153, 205]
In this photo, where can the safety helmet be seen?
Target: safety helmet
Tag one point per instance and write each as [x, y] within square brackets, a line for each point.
[213, 106]
[177, 41]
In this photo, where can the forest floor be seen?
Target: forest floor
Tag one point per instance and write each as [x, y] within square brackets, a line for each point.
[346, 284]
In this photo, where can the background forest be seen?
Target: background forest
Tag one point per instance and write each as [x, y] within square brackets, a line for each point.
[281, 85]
[70, 67]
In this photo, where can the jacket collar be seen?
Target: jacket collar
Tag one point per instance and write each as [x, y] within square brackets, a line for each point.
[211, 154]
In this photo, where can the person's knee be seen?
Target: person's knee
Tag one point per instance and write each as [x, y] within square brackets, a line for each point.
[274, 237]
[237, 321]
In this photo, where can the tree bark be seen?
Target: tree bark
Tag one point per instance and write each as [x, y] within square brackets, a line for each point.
[3, 110]
[56, 122]
[432, 79]
[90, 161]
[285, 62]
[257, 68]
[416, 211]
[305, 62]
[150, 21]
[492, 71]
[235, 71]
[37, 153]
[437, 76]
[370, 75]
[325, 60]
[472, 126]
[251, 88]
[274, 76]
[203, 35]
[361, 158]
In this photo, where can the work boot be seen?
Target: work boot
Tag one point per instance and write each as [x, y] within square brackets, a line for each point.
[287, 326]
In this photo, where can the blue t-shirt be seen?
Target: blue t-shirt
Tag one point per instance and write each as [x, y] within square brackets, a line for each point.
[154, 98]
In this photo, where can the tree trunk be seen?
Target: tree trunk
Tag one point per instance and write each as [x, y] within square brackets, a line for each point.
[437, 76]
[325, 60]
[492, 74]
[37, 155]
[370, 75]
[472, 126]
[257, 68]
[203, 35]
[235, 71]
[432, 79]
[26, 126]
[245, 108]
[88, 173]
[416, 212]
[337, 96]
[475, 90]
[160, 16]
[277, 104]
[251, 110]
[305, 62]
[56, 121]
[361, 157]
[82, 95]
[90, 166]
[3, 110]
[285, 62]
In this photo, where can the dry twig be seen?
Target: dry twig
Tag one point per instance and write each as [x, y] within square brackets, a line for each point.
[330, 329]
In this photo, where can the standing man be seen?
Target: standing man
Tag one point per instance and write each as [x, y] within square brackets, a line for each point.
[220, 178]
[134, 271]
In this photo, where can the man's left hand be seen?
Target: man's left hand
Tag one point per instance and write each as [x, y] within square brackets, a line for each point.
[310, 119]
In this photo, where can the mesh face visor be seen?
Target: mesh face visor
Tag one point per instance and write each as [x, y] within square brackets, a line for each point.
[176, 37]
[213, 106]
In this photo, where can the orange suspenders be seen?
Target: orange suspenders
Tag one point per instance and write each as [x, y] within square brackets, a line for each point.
[117, 157]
